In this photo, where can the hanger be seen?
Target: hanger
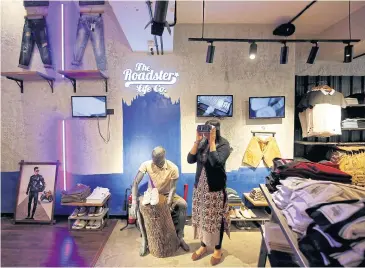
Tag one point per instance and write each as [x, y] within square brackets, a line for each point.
[265, 132]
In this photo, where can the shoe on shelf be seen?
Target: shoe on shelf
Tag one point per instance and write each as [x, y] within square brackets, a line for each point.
[244, 212]
[82, 224]
[91, 212]
[253, 215]
[232, 214]
[82, 211]
[97, 224]
[74, 213]
[154, 197]
[90, 224]
[147, 197]
[99, 211]
[76, 224]
[238, 214]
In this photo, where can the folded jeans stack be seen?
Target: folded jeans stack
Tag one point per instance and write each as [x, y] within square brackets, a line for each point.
[337, 236]
[275, 239]
[98, 195]
[77, 194]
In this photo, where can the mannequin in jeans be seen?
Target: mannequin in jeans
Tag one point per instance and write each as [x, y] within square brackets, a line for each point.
[164, 175]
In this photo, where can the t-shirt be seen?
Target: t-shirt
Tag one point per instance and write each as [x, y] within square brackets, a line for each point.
[28, 3]
[319, 97]
[161, 177]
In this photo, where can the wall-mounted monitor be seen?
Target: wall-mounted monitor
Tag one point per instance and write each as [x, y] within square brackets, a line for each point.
[267, 107]
[214, 105]
[88, 106]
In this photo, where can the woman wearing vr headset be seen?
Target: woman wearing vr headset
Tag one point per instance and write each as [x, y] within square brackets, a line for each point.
[210, 208]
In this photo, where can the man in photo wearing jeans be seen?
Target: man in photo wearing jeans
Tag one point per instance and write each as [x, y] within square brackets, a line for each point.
[36, 184]
[164, 175]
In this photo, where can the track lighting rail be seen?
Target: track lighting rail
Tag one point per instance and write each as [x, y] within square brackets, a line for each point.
[251, 40]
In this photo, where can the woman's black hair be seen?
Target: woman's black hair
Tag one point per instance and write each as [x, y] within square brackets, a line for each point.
[217, 125]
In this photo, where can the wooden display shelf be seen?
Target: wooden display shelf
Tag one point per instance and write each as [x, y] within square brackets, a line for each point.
[356, 105]
[74, 75]
[84, 204]
[329, 143]
[256, 203]
[89, 218]
[20, 77]
[352, 129]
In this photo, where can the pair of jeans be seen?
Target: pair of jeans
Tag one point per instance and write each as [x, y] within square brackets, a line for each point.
[35, 31]
[90, 26]
[179, 214]
[33, 197]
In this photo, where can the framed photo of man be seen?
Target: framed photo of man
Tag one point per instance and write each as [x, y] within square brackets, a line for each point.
[36, 192]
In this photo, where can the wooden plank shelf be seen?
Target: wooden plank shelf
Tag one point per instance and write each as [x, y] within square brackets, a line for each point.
[85, 204]
[356, 105]
[74, 75]
[255, 203]
[329, 143]
[20, 77]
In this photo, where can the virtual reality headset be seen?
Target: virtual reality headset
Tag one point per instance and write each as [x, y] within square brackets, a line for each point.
[204, 128]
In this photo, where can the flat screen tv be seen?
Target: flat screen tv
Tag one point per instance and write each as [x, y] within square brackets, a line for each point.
[214, 105]
[267, 107]
[88, 106]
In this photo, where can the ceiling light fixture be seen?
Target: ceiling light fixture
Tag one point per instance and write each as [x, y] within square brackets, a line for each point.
[210, 53]
[253, 51]
[313, 54]
[284, 54]
[348, 53]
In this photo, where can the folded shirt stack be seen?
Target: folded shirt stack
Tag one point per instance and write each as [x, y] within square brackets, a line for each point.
[352, 101]
[77, 194]
[337, 237]
[350, 123]
[98, 195]
[257, 195]
[275, 239]
[233, 197]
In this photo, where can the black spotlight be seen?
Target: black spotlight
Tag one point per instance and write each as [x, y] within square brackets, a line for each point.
[284, 54]
[348, 53]
[210, 53]
[253, 51]
[313, 54]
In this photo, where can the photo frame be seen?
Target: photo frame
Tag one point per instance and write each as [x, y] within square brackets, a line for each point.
[35, 200]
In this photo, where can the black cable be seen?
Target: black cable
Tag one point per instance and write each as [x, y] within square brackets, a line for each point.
[301, 12]
[161, 43]
[107, 139]
[175, 19]
[350, 18]
[203, 19]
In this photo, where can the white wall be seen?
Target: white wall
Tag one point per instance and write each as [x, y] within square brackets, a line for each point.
[31, 122]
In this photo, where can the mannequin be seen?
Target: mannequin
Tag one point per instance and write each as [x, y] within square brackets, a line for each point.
[91, 25]
[35, 31]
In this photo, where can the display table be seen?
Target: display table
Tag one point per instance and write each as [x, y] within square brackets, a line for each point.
[279, 218]
[105, 215]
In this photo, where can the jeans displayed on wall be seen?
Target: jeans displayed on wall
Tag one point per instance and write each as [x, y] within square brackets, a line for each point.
[35, 31]
[90, 26]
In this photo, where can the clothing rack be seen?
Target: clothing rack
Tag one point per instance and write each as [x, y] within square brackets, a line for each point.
[264, 132]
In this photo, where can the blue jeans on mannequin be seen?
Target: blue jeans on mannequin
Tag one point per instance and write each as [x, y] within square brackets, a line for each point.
[90, 26]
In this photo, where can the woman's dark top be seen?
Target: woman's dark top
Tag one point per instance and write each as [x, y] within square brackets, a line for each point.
[214, 167]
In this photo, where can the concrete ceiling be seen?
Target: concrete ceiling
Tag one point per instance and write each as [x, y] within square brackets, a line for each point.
[325, 19]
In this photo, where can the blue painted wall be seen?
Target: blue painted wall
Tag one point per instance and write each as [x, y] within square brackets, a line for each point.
[149, 121]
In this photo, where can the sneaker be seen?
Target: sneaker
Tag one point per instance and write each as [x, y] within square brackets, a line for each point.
[238, 214]
[245, 213]
[82, 212]
[91, 212]
[82, 224]
[90, 224]
[76, 224]
[147, 197]
[232, 214]
[154, 197]
[97, 224]
[74, 213]
[99, 211]
[253, 215]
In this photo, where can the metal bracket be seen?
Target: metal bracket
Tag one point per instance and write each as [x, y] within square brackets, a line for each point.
[19, 82]
[106, 85]
[73, 82]
[50, 83]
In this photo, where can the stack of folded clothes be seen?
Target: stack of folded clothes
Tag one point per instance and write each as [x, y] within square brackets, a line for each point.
[257, 195]
[77, 194]
[337, 235]
[98, 195]
[284, 168]
[275, 239]
[233, 197]
[350, 123]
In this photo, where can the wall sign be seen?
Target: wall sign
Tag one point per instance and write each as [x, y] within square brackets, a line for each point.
[146, 80]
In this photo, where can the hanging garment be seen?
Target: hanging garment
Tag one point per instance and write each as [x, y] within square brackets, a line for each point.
[259, 149]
